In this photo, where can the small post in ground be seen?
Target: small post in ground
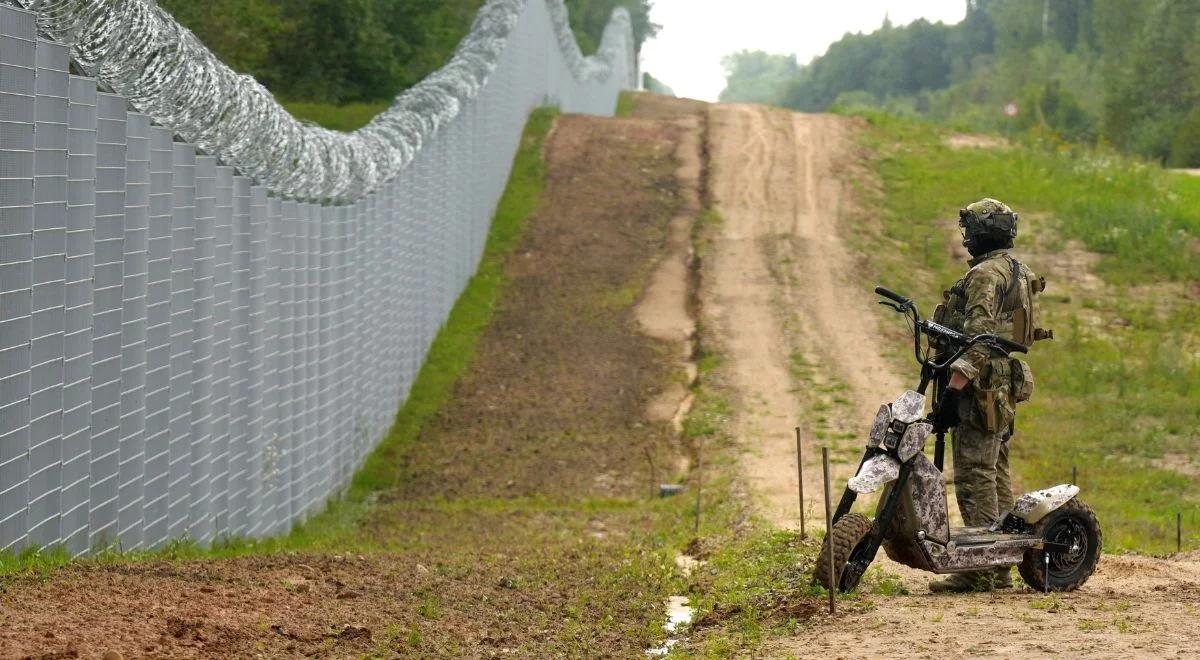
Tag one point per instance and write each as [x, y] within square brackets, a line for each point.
[653, 473]
[800, 478]
[1074, 476]
[699, 483]
[1178, 531]
[829, 532]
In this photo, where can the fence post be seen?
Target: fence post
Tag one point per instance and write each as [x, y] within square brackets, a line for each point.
[699, 486]
[829, 532]
[800, 478]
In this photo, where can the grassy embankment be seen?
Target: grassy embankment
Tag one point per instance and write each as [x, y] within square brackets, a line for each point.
[1120, 242]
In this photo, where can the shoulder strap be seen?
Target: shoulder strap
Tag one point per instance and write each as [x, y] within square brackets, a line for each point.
[1012, 285]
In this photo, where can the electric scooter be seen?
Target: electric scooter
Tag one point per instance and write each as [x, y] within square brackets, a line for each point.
[1050, 535]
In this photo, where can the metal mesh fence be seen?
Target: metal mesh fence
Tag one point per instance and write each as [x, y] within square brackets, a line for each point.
[208, 320]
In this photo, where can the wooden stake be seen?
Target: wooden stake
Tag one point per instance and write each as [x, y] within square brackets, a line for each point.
[1074, 477]
[699, 484]
[1178, 531]
[653, 473]
[829, 532]
[800, 478]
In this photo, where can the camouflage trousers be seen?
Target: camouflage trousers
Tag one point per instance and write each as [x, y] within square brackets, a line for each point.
[981, 478]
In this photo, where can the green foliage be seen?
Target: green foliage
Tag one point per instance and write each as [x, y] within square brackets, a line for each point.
[887, 63]
[588, 18]
[1116, 389]
[1126, 72]
[346, 117]
[1159, 85]
[757, 77]
[655, 86]
[626, 104]
[342, 51]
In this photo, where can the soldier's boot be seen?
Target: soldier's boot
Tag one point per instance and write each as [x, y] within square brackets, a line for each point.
[1003, 578]
[963, 582]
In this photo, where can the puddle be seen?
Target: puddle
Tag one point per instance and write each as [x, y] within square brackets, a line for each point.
[679, 615]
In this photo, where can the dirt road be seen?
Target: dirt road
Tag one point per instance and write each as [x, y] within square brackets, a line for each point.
[792, 317]
[791, 308]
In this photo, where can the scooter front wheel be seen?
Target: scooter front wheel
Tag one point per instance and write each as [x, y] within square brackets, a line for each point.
[848, 532]
[1074, 530]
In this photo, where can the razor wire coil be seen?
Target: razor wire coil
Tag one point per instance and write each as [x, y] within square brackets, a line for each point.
[142, 53]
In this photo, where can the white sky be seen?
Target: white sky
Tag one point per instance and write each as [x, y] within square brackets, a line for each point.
[696, 34]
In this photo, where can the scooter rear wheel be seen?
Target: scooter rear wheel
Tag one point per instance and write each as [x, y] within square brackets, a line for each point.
[848, 532]
[1074, 525]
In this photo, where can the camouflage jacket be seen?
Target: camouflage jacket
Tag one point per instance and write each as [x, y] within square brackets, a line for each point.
[975, 305]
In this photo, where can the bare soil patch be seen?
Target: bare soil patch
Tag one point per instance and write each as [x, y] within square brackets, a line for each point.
[975, 141]
[515, 527]
[558, 379]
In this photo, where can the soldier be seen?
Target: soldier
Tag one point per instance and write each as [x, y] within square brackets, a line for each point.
[979, 402]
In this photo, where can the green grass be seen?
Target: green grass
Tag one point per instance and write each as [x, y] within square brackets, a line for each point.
[625, 104]
[337, 527]
[1145, 221]
[1117, 388]
[348, 117]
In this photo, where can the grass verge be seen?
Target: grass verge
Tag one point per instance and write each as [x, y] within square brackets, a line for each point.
[1117, 388]
[626, 102]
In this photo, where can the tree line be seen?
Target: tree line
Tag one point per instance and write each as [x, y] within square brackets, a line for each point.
[1124, 72]
[341, 51]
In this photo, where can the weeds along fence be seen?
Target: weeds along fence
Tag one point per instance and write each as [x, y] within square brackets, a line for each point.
[211, 312]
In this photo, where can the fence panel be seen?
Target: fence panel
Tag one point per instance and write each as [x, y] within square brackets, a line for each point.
[209, 312]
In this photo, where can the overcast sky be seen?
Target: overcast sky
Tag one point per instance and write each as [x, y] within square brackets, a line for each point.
[696, 34]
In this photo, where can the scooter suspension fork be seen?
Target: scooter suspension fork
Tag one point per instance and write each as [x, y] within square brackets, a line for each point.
[862, 555]
[849, 496]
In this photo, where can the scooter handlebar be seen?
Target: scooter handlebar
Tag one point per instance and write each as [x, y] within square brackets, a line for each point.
[892, 295]
[1011, 346]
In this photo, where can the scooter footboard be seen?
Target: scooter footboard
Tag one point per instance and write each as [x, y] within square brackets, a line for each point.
[970, 558]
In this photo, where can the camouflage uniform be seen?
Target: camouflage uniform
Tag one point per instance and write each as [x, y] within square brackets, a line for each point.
[987, 411]
[981, 303]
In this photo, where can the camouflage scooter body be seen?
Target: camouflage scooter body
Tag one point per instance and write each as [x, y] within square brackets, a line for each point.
[1052, 537]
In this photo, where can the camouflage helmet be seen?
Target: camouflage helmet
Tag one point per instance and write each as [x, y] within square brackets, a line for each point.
[988, 221]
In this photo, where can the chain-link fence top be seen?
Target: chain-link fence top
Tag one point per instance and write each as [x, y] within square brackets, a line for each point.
[164, 71]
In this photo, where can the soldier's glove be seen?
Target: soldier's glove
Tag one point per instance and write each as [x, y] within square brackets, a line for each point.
[946, 416]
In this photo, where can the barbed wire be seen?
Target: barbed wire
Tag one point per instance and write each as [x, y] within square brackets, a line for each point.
[142, 53]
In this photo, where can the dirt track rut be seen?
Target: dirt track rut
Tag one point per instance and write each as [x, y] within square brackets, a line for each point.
[784, 288]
